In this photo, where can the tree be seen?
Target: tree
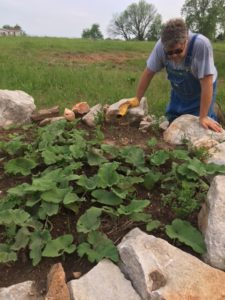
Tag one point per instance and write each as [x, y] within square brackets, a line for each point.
[16, 27]
[6, 27]
[135, 22]
[155, 29]
[92, 33]
[205, 16]
[221, 23]
[119, 27]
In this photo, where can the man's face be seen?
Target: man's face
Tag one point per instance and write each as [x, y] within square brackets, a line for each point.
[177, 52]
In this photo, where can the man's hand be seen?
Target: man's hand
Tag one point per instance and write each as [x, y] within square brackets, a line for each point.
[208, 123]
[132, 102]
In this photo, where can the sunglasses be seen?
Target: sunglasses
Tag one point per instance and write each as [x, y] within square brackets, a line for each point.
[175, 51]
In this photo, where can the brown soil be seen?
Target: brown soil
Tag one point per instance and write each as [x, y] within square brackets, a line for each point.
[23, 270]
[116, 58]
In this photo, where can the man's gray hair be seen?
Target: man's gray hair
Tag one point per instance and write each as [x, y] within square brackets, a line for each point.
[174, 31]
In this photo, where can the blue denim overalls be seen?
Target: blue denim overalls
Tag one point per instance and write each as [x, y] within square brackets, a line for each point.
[186, 90]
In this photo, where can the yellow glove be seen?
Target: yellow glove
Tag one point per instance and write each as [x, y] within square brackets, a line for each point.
[132, 102]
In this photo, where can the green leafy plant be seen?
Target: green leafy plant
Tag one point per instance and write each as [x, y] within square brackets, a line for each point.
[20, 165]
[67, 170]
[187, 234]
[97, 247]
[58, 246]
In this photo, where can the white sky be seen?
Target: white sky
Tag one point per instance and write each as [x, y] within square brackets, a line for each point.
[68, 18]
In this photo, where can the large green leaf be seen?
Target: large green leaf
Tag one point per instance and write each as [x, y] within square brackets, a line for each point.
[78, 149]
[14, 146]
[22, 238]
[88, 183]
[6, 254]
[141, 217]
[187, 234]
[48, 134]
[133, 155]
[111, 150]
[32, 201]
[10, 201]
[95, 157]
[106, 197]
[50, 156]
[186, 172]
[110, 211]
[154, 224]
[180, 154]
[90, 220]
[121, 193]
[197, 166]
[135, 206]
[214, 168]
[13, 216]
[151, 179]
[71, 198]
[98, 247]
[20, 165]
[54, 195]
[38, 241]
[40, 185]
[127, 182]
[59, 246]
[61, 174]
[75, 207]
[19, 190]
[50, 209]
[107, 175]
[160, 157]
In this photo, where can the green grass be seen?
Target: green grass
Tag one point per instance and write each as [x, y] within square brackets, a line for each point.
[43, 68]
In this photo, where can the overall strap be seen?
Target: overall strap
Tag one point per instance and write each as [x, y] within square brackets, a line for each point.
[190, 49]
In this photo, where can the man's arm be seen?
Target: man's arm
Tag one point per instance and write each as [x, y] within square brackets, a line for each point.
[144, 82]
[206, 98]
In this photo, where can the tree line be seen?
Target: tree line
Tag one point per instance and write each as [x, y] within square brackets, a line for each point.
[16, 27]
[141, 21]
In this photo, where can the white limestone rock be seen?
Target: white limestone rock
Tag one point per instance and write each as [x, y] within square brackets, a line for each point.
[134, 115]
[104, 282]
[159, 270]
[20, 291]
[91, 117]
[16, 108]
[217, 154]
[212, 223]
[188, 128]
[146, 123]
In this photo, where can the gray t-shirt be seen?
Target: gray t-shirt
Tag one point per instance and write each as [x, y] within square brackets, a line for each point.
[202, 63]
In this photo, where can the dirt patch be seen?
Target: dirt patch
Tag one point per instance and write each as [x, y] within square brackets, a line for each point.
[116, 58]
[22, 270]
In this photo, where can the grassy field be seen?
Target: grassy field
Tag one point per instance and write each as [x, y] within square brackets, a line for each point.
[62, 71]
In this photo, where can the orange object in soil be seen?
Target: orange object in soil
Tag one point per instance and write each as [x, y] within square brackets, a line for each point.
[81, 108]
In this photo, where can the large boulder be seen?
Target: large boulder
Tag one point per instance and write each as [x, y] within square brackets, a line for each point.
[217, 154]
[16, 108]
[188, 128]
[160, 271]
[211, 223]
[104, 282]
[20, 291]
[95, 113]
[133, 115]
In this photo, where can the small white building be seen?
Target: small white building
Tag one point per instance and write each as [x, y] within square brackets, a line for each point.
[11, 32]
